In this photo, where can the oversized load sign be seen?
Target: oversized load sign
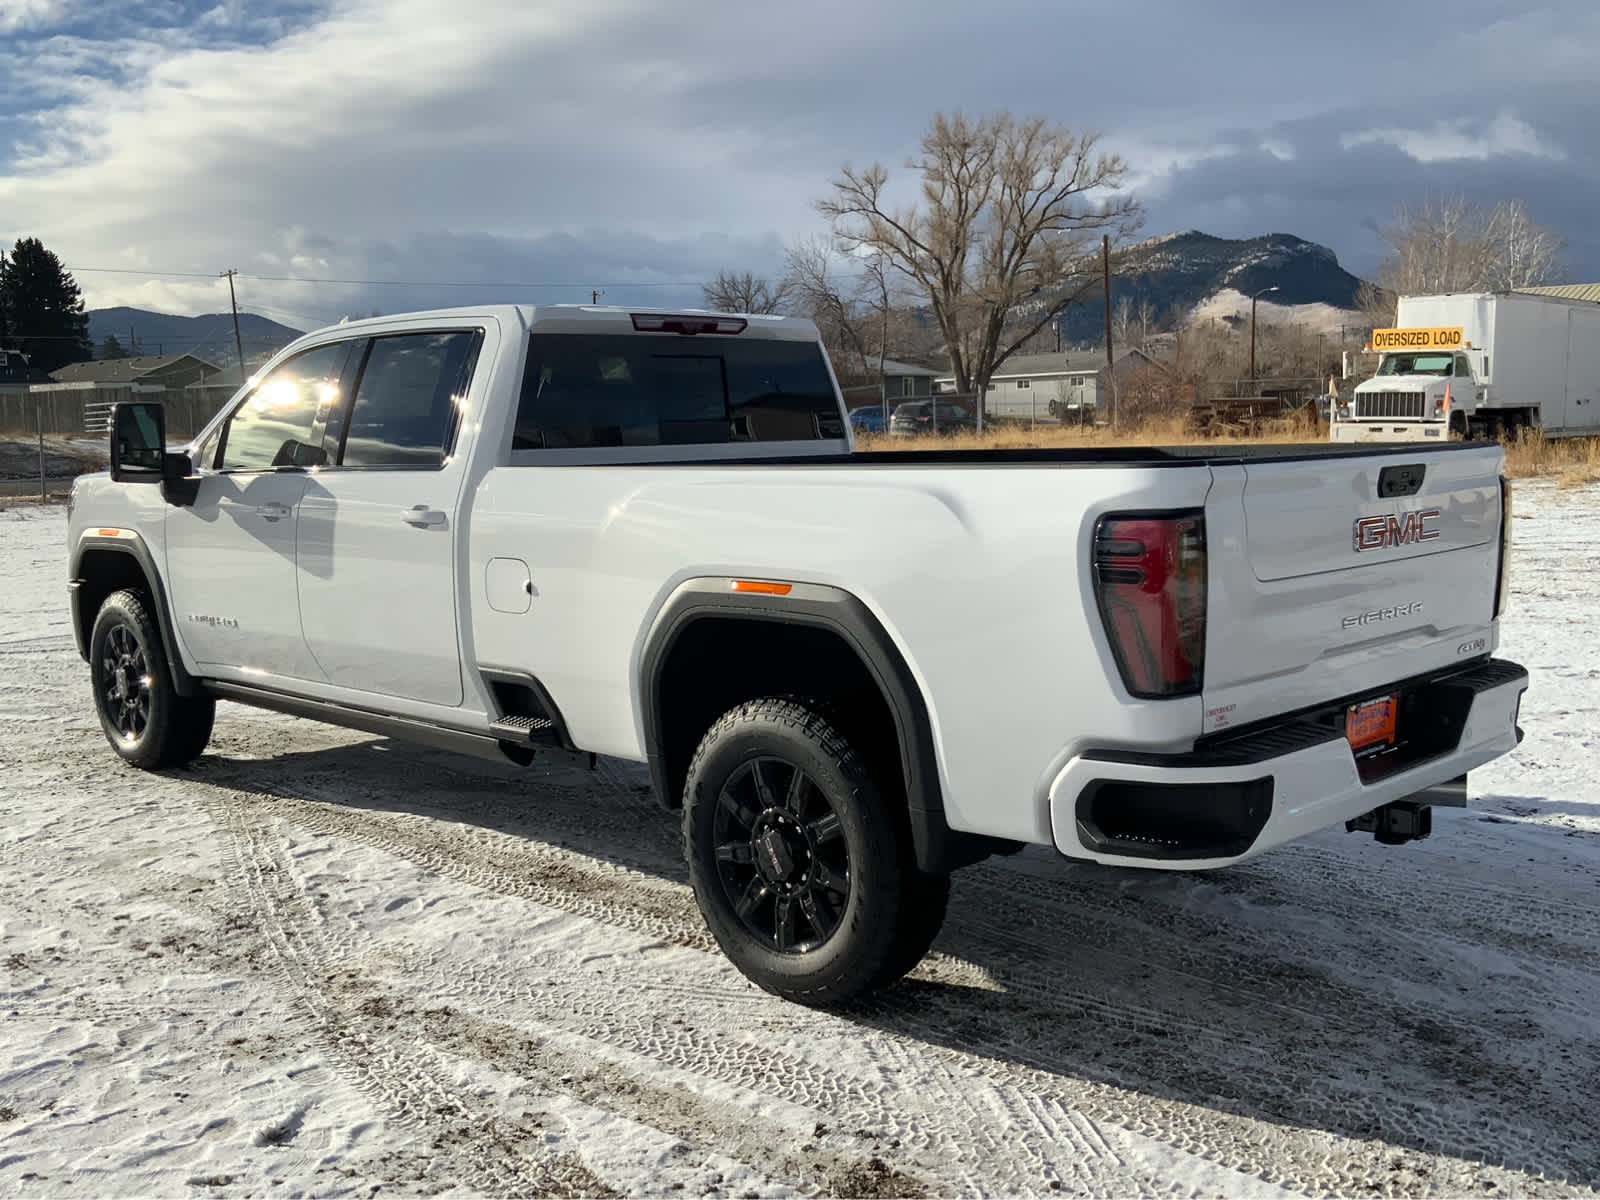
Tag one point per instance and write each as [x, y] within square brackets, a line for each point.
[1417, 339]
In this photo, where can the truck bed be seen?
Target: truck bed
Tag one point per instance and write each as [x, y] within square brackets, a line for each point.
[1089, 456]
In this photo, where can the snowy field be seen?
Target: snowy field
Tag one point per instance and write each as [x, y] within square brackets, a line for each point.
[316, 963]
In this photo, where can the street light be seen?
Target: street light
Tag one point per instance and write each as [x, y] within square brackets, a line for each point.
[1253, 300]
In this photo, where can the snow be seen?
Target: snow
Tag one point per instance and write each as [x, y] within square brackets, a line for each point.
[318, 963]
[1230, 304]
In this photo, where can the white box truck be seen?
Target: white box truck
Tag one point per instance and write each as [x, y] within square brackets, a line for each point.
[1479, 365]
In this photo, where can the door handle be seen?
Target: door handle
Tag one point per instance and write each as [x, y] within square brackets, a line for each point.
[422, 516]
[273, 511]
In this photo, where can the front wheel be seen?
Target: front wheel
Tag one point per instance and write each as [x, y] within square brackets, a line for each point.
[796, 858]
[143, 717]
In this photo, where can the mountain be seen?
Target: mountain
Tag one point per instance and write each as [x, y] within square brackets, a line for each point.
[1184, 270]
[209, 337]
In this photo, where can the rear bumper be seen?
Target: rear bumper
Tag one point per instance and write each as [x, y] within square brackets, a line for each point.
[1389, 431]
[1231, 799]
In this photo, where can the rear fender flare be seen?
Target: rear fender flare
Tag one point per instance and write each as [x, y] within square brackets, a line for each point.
[937, 847]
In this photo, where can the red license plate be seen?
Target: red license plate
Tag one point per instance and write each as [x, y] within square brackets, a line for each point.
[1372, 722]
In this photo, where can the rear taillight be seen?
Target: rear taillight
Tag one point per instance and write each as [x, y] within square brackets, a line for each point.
[1502, 584]
[1150, 583]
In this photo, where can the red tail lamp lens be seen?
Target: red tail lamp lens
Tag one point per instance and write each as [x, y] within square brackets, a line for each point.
[1150, 582]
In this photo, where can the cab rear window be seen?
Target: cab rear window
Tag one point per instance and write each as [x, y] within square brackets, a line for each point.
[583, 390]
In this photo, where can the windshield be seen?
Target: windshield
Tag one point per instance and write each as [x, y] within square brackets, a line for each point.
[1415, 364]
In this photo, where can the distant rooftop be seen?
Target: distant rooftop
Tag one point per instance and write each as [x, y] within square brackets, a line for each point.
[894, 367]
[128, 370]
[1566, 291]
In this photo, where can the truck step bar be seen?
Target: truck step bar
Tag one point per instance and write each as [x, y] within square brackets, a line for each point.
[537, 731]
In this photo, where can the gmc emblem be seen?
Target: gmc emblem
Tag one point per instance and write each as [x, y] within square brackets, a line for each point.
[1374, 533]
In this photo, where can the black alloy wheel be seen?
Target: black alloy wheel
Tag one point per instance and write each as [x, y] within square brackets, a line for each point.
[782, 859]
[125, 683]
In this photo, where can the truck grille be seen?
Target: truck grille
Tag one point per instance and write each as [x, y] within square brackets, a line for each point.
[1385, 405]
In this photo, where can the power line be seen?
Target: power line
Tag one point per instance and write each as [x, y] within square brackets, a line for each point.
[485, 283]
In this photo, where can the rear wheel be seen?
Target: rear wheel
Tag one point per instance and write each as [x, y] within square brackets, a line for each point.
[797, 860]
[143, 717]
[921, 917]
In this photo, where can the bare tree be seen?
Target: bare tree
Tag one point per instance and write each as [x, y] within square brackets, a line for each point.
[746, 293]
[999, 245]
[1376, 304]
[1133, 322]
[1525, 253]
[1145, 320]
[823, 293]
[1121, 319]
[1450, 245]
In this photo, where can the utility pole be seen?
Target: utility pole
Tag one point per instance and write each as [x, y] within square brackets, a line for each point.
[1253, 300]
[238, 342]
[883, 345]
[1111, 370]
[594, 296]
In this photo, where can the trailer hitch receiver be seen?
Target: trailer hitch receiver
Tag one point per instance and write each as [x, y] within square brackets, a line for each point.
[1395, 823]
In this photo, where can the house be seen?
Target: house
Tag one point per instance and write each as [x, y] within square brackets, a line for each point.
[901, 381]
[16, 374]
[1064, 384]
[150, 370]
[76, 398]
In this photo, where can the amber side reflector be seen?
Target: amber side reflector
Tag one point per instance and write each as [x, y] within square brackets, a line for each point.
[109, 532]
[763, 589]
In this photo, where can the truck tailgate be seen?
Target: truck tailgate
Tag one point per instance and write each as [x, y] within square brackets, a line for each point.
[1331, 578]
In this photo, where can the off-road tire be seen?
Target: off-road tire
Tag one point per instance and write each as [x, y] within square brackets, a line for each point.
[751, 851]
[922, 913]
[143, 717]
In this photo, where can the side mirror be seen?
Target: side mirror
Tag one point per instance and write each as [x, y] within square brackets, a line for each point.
[138, 443]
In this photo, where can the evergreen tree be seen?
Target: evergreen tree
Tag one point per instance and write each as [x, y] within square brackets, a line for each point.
[110, 348]
[41, 307]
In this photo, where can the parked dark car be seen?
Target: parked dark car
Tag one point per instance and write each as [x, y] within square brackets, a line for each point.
[869, 419]
[919, 416]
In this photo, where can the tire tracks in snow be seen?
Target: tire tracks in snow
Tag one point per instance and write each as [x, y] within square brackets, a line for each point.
[478, 1146]
[1020, 1078]
[348, 1004]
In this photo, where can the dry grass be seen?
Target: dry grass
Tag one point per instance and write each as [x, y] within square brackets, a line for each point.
[1576, 461]
[1166, 431]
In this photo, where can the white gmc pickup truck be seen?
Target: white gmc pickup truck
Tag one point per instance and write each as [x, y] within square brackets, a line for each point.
[579, 530]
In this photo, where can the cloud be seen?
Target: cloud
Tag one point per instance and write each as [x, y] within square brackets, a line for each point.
[1448, 141]
[31, 14]
[1340, 192]
[629, 145]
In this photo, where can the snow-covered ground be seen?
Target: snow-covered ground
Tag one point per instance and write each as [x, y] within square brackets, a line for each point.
[319, 963]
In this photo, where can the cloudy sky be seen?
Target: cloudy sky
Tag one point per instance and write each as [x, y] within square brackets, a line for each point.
[348, 156]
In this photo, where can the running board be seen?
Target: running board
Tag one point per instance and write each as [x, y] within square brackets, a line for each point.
[494, 745]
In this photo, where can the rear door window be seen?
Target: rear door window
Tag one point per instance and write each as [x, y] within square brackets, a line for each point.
[586, 390]
[408, 399]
